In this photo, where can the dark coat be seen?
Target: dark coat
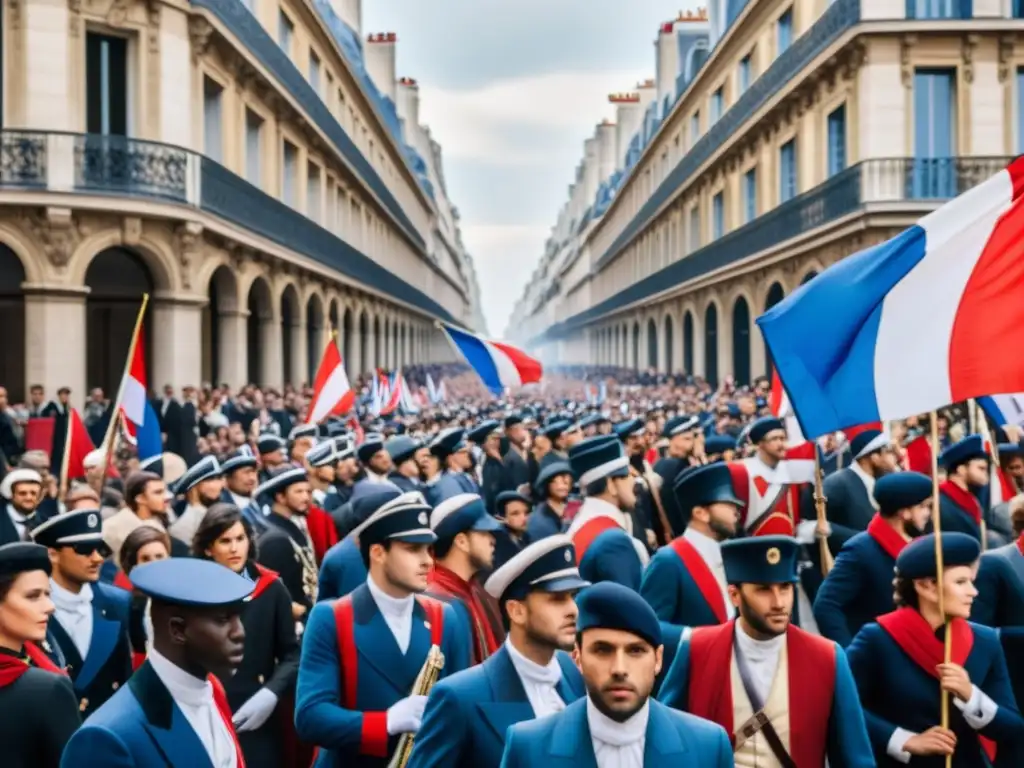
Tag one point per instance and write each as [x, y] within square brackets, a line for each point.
[283, 548]
[38, 715]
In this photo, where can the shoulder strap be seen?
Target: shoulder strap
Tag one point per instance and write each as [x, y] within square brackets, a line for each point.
[435, 615]
[655, 491]
[344, 623]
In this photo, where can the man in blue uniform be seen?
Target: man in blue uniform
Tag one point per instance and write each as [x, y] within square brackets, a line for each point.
[491, 470]
[90, 623]
[967, 469]
[452, 452]
[375, 461]
[619, 652]
[512, 509]
[858, 589]
[405, 472]
[785, 695]
[685, 582]
[361, 654]
[173, 711]
[531, 675]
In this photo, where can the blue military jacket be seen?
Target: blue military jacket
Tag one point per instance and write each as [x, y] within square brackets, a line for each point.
[468, 714]
[563, 741]
[384, 676]
[108, 664]
[341, 571]
[674, 594]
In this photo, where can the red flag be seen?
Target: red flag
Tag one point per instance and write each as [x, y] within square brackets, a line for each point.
[79, 445]
[919, 455]
[332, 394]
[39, 434]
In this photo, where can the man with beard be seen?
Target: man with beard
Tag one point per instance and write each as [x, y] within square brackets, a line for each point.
[286, 547]
[90, 624]
[602, 529]
[271, 450]
[685, 582]
[681, 433]
[240, 479]
[530, 676]
[145, 503]
[361, 654]
[174, 711]
[465, 547]
[21, 489]
[858, 589]
[619, 652]
[201, 487]
[405, 472]
[552, 493]
[633, 434]
[512, 510]
[967, 469]
[787, 696]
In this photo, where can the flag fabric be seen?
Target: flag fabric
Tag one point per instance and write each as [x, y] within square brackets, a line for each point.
[497, 364]
[393, 385]
[39, 434]
[332, 393]
[133, 392]
[148, 440]
[432, 391]
[1004, 409]
[918, 455]
[79, 445]
[909, 326]
[407, 402]
[800, 452]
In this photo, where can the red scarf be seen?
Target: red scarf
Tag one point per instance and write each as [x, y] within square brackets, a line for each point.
[444, 581]
[1007, 484]
[120, 580]
[220, 699]
[888, 538]
[914, 635]
[12, 667]
[322, 532]
[266, 578]
[964, 499]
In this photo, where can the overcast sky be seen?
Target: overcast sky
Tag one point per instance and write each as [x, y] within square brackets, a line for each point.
[511, 89]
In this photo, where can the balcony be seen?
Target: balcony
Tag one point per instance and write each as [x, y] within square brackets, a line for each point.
[119, 166]
[917, 182]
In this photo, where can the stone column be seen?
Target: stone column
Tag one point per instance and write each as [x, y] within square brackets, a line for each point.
[271, 345]
[55, 338]
[176, 323]
[233, 354]
[299, 364]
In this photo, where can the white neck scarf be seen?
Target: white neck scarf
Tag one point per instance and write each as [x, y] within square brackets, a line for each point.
[618, 745]
[397, 613]
[74, 612]
[539, 681]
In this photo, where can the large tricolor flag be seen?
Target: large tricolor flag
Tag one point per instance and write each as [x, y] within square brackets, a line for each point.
[497, 364]
[909, 326]
[332, 394]
[1004, 409]
[133, 387]
[799, 459]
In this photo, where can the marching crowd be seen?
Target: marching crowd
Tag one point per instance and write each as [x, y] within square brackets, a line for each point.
[610, 569]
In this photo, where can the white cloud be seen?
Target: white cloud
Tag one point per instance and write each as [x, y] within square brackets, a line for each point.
[483, 123]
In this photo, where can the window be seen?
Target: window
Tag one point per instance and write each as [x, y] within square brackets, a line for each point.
[743, 74]
[837, 140]
[213, 139]
[750, 195]
[253, 148]
[940, 9]
[784, 32]
[694, 128]
[289, 172]
[313, 195]
[787, 171]
[314, 71]
[935, 142]
[106, 84]
[694, 232]
[718, 215]
[285, 32]
[715, 112]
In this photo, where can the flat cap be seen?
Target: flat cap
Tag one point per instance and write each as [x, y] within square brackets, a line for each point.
[900, 490]
[612, 606]
[761, 560]
[22, 557]
[917, 560]
[192, 582]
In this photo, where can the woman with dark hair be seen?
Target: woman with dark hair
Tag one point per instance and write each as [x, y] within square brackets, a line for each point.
[271, 662]
[901, 673]
[38, 706]
[145, 544]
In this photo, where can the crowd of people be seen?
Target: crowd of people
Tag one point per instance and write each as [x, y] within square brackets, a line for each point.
[611, 568]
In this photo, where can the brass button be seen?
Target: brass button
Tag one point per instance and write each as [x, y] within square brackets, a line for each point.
[83, 705]
[260, 679]
[115, 686]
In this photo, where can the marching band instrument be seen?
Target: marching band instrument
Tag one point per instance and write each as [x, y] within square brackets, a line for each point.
[425, 680]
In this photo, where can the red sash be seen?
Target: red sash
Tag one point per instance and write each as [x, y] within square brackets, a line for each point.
[589, 531]
[374, 739]
[220, 698]
[964, 499]
[12, 668]
[915, 637]
[266, 578]
[810, 706]
[702, 577]
[322, 532]
[888, 538]
[444, 581]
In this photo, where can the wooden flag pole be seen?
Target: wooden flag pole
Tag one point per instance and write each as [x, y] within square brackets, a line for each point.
[819, 508]
[64, 481]
[939, 571]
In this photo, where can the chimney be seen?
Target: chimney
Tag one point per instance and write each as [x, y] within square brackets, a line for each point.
[606, 165]
[628, 116]
[667, 61]
[408, 103]
[590, 169]
[380, 61]
[351, 12]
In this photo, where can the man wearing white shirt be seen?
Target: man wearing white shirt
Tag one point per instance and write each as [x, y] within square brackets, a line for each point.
[531, 675]
[617, 725]
[685, 582]
[174, 711]
[21, 491]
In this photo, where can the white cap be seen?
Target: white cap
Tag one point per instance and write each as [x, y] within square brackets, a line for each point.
[94, 458]
[16, 476]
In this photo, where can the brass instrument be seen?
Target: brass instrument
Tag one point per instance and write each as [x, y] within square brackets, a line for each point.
[425, 680]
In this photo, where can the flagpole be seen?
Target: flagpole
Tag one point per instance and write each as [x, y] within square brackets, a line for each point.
[111, 436]
[64, 480]
[939, 570]
[819, 508]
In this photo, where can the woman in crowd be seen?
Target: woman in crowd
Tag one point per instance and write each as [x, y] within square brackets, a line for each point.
[38, 706]
[143, 545]
[271, 662]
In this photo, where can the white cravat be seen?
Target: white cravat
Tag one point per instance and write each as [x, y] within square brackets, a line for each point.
[194, 698]
[762, 659]
[538, 681]
[868, 480]
[618, 745]
[397, 613]
[711, 553]
[242, 502]
[20, 522]
[74, 612]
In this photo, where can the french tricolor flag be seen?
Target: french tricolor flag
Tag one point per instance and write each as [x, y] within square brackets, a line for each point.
[137, 415]
[910, 325]
[497, 364]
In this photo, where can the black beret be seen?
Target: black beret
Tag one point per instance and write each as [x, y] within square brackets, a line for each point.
[21, 557]
[612, 606]
[917, 560]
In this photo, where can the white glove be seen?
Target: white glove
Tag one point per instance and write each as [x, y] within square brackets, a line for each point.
[406, 715]
[255, 711]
